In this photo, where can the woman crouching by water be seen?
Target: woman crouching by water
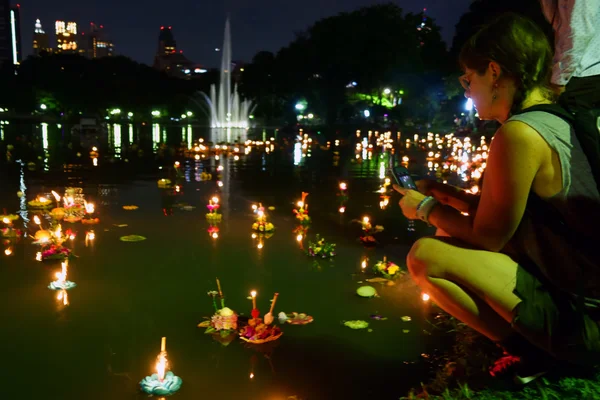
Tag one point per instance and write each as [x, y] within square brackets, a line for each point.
[523, 267]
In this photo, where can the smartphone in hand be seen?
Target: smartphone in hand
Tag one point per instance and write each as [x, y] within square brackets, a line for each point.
[403, 178]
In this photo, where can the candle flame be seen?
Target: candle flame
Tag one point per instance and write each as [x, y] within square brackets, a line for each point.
[260, 245]
[38, 256]
[342, 210]
[253, 293]
[299, 238]
[6, 220]
[425, 297]
[56, 195]
[251, 375]
[62, 276]
[254, 236]
[366, 220]
[343, 186]
[161, 365]
[215, 199]
[215, 235]
[37, 220]
[300, 204]
[89, 208]
[254, 207]
[364, 264]
[43, 200]
[8, 251]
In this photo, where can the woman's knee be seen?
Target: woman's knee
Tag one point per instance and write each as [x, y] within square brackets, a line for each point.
[423, 258]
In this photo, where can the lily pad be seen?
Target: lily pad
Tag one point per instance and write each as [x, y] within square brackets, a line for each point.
[356, 324]
[132, 238]
[366, 291]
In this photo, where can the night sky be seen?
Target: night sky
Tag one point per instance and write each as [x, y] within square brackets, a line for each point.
[198, 25]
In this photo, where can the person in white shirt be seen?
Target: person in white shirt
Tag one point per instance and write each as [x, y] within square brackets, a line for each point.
[576, 64]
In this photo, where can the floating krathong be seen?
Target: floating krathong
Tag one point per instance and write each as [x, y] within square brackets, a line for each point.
[224, 323]
[213, 215]
[163, 382]
[302, 211]
[320, 248]
[261, 224]
[9, 231]
[258, 331]
[387, 269]
[40, 202]
[61, 282]
[368, 231]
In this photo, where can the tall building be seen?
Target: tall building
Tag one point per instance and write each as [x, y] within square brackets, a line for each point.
[172, 61]
[66, 37]
[41, 41]
[95, 44]
[15, 34]
[166, 41]
[10, 33]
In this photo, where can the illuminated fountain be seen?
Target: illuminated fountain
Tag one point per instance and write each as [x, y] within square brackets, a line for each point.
[227, 109]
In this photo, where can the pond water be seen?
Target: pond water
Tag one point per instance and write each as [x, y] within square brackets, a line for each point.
[129, 295]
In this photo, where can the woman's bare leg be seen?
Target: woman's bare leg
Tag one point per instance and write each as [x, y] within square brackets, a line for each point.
[474, 286]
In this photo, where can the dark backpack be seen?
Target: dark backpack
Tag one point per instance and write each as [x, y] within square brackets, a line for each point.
[586, 125]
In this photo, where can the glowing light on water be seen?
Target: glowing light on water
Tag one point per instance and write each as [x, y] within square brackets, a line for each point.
[297, 153]
[189, 137]
[130, 133]
[45, 144]
[155, 136]
[118, 140]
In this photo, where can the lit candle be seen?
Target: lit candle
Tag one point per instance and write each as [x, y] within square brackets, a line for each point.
[364, 264]
[6, 221]
[253, 294]
[56, 197]
[37, 221]
[89, 208]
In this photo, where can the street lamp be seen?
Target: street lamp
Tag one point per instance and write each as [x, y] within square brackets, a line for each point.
[156, 113]
[300, 106]
[387, 91]
[367, 113]
[43, 106]
[189, 113]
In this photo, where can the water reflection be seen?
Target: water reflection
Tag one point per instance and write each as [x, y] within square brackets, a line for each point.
[155, 136]
[130, 134]
[45, 144]
[117, 140]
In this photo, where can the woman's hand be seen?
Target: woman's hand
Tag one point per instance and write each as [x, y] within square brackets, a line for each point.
[409, 202]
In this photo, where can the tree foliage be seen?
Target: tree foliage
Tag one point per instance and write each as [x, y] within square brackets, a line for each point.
[377, 47]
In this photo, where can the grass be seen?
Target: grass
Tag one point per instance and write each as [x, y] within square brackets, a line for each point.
[462, 372]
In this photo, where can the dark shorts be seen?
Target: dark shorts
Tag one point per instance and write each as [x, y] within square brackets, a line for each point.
[551, 320]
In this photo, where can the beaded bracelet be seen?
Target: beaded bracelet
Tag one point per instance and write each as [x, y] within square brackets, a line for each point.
[424, 208]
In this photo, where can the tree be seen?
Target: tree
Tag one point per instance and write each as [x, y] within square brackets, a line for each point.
[375, 47]
[482, 12]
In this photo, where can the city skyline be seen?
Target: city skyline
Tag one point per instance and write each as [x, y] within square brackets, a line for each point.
[260, 25]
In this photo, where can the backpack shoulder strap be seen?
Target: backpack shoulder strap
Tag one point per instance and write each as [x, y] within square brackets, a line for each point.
[553, 109]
